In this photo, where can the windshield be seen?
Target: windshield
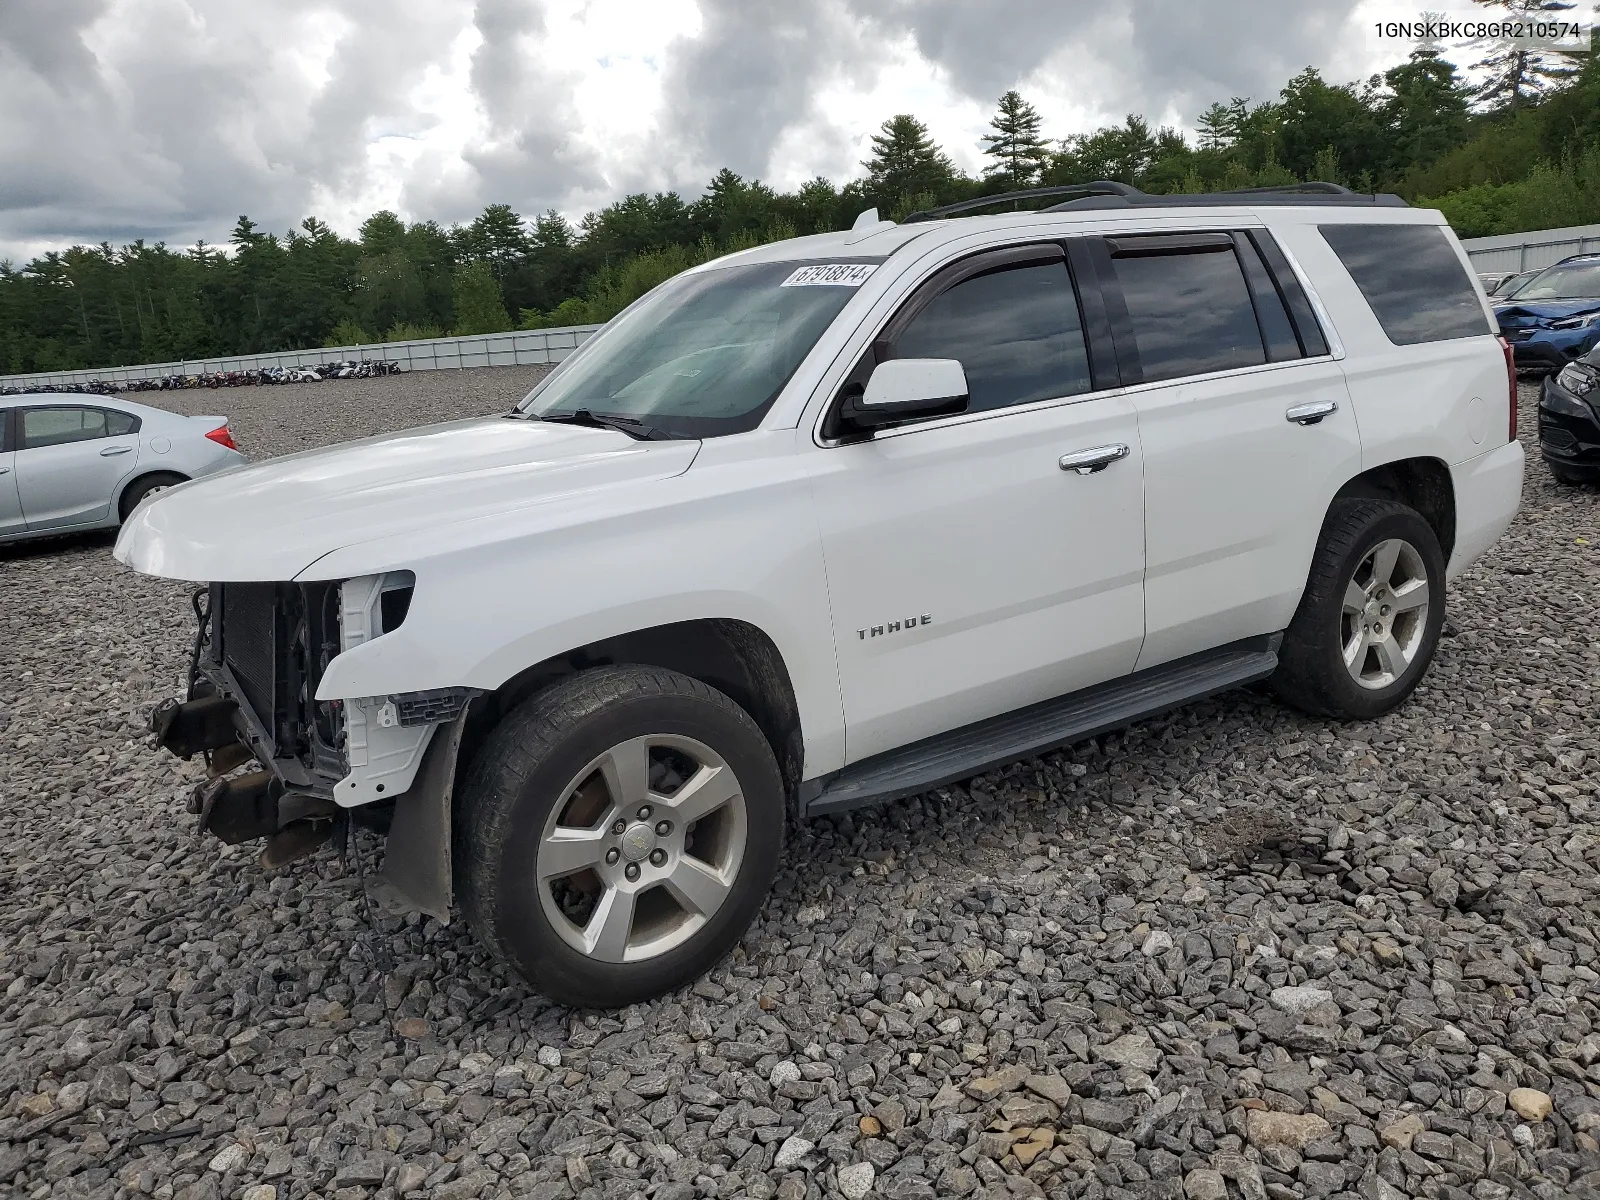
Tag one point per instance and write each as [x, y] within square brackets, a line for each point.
[1564, 281]
[707, 353]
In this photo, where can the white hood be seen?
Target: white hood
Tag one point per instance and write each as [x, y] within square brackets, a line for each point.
[272, 520]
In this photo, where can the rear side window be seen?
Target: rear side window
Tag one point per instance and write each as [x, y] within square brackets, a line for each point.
[1188, 303]
[119, 423]
[1016, 333]
[1410, 275]
[57, 426]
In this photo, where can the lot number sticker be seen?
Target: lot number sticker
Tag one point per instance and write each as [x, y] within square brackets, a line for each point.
[831, 274]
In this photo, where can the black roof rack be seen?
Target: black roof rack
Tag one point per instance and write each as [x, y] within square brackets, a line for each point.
[1105, 193]
[1101, 187]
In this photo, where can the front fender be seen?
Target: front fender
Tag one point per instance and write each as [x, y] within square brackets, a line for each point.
[484, 613]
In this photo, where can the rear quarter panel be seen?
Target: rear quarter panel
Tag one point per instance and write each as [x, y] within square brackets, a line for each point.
[1446, 400]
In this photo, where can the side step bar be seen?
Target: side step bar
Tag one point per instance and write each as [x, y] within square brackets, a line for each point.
[974, 749]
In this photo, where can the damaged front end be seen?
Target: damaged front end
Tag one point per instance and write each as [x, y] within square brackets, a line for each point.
[386, 762]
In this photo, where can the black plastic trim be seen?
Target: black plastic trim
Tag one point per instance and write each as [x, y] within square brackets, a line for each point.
[1312, 339]
[1263, 294]
[1127, 346]
[1145, 245]
[973, 749]
[1103, 373]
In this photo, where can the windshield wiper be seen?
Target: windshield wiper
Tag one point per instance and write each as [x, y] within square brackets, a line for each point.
[631, 426]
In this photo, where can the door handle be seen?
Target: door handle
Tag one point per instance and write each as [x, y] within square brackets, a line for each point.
[112, 450]
[5, 470]
[1087, 462]
[1311, 413]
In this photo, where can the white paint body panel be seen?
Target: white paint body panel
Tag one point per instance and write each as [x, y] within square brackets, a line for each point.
[529, 540]
[1030, 576]
[1235, 494]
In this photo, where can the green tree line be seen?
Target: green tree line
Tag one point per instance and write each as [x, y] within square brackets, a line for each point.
[1520, 152]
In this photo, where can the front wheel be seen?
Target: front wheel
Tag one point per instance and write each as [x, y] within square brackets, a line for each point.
[1369, 621]
[618, 833]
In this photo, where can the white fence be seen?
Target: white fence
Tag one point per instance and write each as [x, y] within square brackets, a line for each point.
[522, 347]
[1529, 251]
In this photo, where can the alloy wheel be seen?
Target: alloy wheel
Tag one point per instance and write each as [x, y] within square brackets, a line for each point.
[642, 848]
[1385, 613]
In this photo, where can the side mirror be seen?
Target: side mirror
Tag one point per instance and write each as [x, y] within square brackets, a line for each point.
[905, 389]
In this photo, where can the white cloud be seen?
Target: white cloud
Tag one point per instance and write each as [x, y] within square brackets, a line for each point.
[166, 119]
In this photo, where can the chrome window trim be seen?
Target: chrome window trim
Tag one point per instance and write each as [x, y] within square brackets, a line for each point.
[1136, 389]
[842, 363]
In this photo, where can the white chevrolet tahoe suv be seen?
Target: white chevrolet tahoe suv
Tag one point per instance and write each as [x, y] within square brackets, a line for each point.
[833, 521]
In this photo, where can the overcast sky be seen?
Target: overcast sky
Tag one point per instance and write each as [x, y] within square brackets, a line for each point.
[166, 119]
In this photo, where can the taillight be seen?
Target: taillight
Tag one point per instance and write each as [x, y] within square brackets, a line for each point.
[1511, 383]
[222, 437]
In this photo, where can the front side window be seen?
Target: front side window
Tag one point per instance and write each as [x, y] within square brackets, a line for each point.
[58, 426]
[1412, 279]
[704, 354]
[1189, 306]
[1015, 331]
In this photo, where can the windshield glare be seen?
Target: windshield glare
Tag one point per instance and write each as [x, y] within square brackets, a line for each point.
[1570, 281]
[705, 353]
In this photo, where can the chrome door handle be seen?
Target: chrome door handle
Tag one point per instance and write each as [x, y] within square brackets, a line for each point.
[4, 470]
[111, 450]
[1087, 462]
[1311, 413]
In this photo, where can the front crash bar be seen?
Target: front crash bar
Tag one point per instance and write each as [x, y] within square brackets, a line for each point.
[190, 727]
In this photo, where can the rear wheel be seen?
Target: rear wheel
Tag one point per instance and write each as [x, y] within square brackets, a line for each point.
[149, 485]
[1369, 621]
[619, 832]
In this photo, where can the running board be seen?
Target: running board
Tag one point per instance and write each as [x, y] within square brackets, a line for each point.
[974, 749]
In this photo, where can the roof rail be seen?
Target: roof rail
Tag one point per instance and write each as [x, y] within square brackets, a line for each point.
[1314, 191]
[1105, 193]
[1310, 185]
[1101, 187]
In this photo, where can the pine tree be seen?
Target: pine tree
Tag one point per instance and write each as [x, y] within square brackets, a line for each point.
[1015, 145]
[1221, 124]
[905, 162]
[1519, 74]
[479, 306]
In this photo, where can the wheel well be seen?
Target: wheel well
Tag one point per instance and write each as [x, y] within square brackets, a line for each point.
[140, 478]
[735, 657]
[1423, 483]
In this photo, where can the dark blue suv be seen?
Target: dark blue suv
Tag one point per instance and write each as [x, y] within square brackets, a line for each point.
[1554, 317]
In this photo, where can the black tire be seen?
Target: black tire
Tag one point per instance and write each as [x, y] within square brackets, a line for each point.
[142, 487]
[1570, 476]
[1312, 675]
[522, 772]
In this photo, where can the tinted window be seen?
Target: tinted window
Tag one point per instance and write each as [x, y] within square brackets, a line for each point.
[1410, 275]
[1276, 328]
[1191, 313]
[57, 426]
[119, 423]
[1016, 332]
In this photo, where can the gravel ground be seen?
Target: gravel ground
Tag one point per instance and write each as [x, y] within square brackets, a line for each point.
[1233, 952]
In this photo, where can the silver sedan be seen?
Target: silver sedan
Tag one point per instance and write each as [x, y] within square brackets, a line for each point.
[70, 463]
